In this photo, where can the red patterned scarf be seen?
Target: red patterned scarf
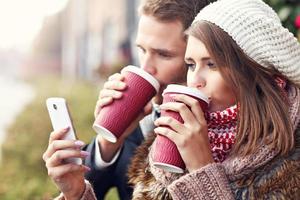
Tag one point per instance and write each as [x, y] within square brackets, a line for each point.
[222, 131]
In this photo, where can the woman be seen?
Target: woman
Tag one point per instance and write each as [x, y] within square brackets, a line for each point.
[240, 56]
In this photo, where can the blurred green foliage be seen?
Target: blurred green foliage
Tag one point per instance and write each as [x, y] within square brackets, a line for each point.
[23, 172]
[287, 10]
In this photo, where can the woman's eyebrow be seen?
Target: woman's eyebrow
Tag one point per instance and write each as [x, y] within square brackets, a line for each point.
[205, 58]
[189, 59]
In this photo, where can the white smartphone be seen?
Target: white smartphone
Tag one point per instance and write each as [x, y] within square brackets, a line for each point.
[60, 118]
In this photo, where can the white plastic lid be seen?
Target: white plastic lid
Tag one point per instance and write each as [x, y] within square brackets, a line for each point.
[186, 90]
[144, 74]
[106, 134]
[168, 167]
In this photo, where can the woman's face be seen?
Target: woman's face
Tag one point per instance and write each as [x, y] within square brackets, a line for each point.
[204, 75]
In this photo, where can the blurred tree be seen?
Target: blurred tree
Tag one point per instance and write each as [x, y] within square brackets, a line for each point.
[45, 55]
[48, 41]
[289, 13]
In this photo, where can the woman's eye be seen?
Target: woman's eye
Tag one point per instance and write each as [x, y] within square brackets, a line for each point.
[211, 64]
[190, 66]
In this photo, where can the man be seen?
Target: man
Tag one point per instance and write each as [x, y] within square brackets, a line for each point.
[161, 43]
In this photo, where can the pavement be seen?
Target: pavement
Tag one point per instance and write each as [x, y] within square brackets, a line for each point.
[15, 95]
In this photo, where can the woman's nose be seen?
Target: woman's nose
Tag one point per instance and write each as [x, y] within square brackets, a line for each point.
[197, 82]
[201, 84]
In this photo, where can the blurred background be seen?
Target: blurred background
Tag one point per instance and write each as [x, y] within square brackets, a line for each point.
[63, 48]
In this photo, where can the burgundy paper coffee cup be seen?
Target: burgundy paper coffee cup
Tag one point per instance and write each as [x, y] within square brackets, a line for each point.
[114, 118]
[166, 154]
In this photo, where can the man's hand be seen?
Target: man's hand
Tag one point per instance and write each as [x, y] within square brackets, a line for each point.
[112, 90]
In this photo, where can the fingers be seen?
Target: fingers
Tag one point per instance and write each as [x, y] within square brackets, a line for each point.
[169, 133]
[58, 135]
[56, 143]
[61, 144]
[188, 107]
[191, 114]
[111, 87]
[56, 172]
[170, 122]
[185, 113]
[106, 97]
[171, 128]
[192, 103]
[110, 93]
[111, 90]
[115, 84]
[116, 76]
[101, 103]
[57, 157]
[191, 125]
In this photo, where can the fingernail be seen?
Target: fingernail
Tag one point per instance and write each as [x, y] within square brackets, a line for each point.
[79, 143]
[66, 129]
[119, 94]
[123, 85]
[85, 153]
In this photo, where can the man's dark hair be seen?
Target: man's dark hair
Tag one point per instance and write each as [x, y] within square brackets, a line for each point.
[169, 10]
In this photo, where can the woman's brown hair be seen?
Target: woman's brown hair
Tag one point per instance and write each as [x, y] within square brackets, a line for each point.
[263, 107]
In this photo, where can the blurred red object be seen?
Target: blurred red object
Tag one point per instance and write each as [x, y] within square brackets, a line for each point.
[297, 22]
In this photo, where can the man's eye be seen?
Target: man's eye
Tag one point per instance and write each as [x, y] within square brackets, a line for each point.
[164, 55]
[140, 49]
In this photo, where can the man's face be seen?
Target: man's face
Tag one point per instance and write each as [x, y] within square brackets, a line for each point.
[161, 49]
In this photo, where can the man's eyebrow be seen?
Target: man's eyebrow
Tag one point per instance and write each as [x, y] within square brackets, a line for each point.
[160, 50]
[164, 51]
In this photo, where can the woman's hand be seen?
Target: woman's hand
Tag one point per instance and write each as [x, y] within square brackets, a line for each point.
[191, 137]
[68, 177]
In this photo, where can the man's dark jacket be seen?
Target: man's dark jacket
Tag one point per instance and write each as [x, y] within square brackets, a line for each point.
[114, 175]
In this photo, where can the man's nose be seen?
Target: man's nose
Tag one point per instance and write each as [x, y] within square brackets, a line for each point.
[149, 66]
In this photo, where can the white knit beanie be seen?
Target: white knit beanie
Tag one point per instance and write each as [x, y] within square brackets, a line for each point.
[257, 30]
